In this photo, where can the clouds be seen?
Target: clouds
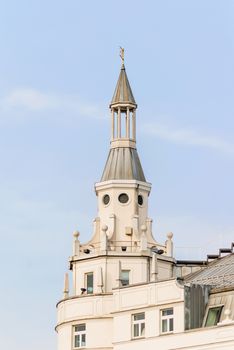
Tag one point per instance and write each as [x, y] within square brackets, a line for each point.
[29, 102]
[29, 99]
[187, 137]
[22, 104]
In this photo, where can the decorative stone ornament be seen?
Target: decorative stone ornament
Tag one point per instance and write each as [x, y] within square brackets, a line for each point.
[76, 243]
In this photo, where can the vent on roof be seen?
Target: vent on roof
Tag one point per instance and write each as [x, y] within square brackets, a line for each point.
[212, 256]
[222, 252]
[225, 251]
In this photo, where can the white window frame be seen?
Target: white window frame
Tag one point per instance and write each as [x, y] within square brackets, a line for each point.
[80, 334]
[167, 319]
[86, 281]
[139, 324]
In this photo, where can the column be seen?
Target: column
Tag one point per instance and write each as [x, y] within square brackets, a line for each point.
[119, 123]
[113, 124]
[134, 125]
[66, 287]
[127, 124]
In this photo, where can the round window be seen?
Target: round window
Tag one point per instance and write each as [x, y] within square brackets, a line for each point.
[140, 200]
[106, 199]
[123, 198]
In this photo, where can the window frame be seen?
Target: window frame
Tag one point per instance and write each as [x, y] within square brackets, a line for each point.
[86, 282]
[139, 323]
[121, 279]
[121, 196]
[168, 319]
[218, 316]
[80, 335]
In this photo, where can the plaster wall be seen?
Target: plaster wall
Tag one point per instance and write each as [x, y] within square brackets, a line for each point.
[137, 265]
[84, 307]
[98, 334]
[165, 269]
[124, 299]
[152, 322]
[215, 338]
[108, 319]
[161, 293]
[124, 212]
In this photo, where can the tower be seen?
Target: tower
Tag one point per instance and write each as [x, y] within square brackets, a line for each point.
[123, 190]
[122, 251]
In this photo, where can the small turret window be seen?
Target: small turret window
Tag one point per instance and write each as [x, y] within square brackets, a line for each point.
[89, 282]
[125, 277]
[106, 199]
[123, 198]
[140, 200]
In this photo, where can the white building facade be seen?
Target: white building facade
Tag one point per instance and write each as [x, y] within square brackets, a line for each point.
[127, 290]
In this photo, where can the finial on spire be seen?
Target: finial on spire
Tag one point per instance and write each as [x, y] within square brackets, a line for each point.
[121, 54]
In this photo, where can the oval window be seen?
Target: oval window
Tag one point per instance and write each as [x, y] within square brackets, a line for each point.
[140, 200]
[123, 198]
[106, 199]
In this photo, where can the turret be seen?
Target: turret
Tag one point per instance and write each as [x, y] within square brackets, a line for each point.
[122, 240]
[114, 268]
[123, 190]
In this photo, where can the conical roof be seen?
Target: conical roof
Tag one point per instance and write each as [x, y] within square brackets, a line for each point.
[123, 164]
[123, 92]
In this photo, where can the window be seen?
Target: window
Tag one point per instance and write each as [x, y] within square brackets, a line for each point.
[79, 335]
[89, 282]
[138, 325]
[213, 316]
[125, 277]
[140, 200]
[106, 199]
[167, 320]
[123, 198]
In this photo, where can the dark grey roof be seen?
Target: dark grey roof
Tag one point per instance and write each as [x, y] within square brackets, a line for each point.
[123, 92]
[123, 163]
[219, 273]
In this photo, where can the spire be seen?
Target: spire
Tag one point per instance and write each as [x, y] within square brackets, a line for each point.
[123, 162]
[123, 92]
[123, 109]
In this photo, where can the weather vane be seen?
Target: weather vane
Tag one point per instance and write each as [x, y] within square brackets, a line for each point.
[121, 54]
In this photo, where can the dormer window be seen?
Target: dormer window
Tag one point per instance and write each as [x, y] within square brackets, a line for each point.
[213, 316]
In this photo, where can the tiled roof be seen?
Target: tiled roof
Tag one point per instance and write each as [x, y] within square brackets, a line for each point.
[219, 273]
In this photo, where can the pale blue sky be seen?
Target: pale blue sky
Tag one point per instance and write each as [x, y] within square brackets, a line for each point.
[58, 66]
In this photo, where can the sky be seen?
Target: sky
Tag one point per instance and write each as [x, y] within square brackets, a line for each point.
[59, 65]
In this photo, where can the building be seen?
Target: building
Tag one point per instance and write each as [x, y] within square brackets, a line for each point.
[128, 290]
